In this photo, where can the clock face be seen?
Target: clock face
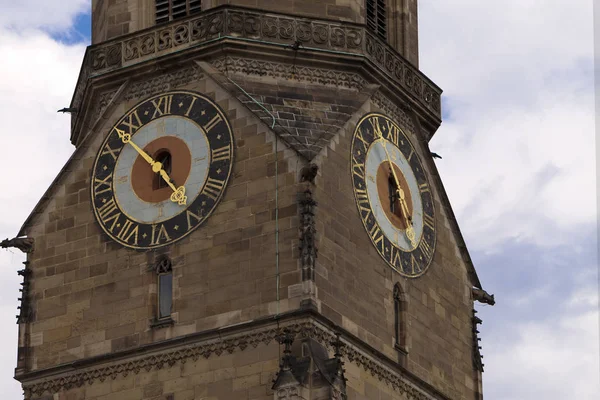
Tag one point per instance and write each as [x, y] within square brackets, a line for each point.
[393, 195]
[162, 169]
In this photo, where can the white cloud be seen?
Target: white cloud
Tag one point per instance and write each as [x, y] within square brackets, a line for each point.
[552, 359]
[519, 159]
[51, 15]
[38, 77]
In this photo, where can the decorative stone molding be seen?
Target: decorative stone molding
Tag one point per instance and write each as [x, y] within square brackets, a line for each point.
[321, 76]
[239, 341]
[227, 23]
[308, 248]
[163, 82]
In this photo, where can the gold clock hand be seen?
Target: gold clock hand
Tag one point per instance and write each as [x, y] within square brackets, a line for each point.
[410, 233]
[178, 195]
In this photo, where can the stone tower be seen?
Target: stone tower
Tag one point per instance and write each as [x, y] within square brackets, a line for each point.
[251, 211]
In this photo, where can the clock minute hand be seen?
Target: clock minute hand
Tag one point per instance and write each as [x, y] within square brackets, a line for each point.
[178, 195]
[410, 233]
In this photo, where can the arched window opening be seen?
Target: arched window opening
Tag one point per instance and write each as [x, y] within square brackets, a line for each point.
[164, 272]
[169, 10]
[163, 157]
[400, 319]
[376, 17]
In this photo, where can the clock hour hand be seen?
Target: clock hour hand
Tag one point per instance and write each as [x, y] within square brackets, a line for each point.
[178, 196]
[410, 233]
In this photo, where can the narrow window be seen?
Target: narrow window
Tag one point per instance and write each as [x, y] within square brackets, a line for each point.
[376, 17]
[392, 193]
[169, 10]
[165, 288]
[163, 157]
[400, 319]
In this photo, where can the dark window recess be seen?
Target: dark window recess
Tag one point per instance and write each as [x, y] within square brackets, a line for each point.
[376, 17]
[165, 288]
[163, 157]
[169, 10]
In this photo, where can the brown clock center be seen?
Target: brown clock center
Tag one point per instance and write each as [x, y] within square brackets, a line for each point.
[388, 195]
[177, 160]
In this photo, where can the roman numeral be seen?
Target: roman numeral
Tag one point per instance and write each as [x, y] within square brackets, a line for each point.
[426, 249]
[363, 202]
[395, 259]
[98, 183]
[191, 215]
[392, 132]
[223, 153]
[112, 152]
[424, 187]
[414, 264]
[187, 113]
[132, 122]
[374, 121]
[212, 123]
[106, 214]
[163, 106]
[412, 151]
[377, 237]
[358, 168]
[126, 232]
[159, 234]
[429, 221]
[360, 137]
[213, 187]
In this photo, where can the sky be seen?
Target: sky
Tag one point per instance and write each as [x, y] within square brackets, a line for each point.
[519, 166]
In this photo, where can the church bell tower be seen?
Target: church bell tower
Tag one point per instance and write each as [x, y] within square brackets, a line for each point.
[251, 211]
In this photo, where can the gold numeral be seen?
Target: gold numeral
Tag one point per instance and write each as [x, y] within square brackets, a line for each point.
[377, 237]
[213, 187]
[187, 113]
[412, 151]
[424, 187]
[132, 121]
[106, 214]
[363, 202]
[358, 168]
[190, 215]
[429, 221]
[212, 123]
[159, 234]
[362, 139]
[127, 233]
[415, 266]
[163, 106]
[376, 127]
[426, 249]
[98, 183]
[112, 152]
[393, 132]
[395, 259]
[223, 153]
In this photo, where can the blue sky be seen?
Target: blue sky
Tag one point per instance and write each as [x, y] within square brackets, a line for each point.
[519, 166]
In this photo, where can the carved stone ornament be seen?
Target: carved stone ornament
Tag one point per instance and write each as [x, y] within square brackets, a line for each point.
[22, 243]
[307, 329]
[308, 248]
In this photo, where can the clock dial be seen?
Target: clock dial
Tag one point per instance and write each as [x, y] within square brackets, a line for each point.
[393, 195]
[162, 169]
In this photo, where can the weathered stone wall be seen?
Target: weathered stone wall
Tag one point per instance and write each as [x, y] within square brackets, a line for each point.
[92, 296]
[355, 285]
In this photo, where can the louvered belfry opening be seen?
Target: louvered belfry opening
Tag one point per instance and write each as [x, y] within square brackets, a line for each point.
[169, 10]
[376, 20]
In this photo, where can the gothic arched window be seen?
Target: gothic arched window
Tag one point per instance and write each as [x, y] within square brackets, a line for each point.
[376, 17]
[164, 273]
[169, 10]
[400, 319]
[163, 157]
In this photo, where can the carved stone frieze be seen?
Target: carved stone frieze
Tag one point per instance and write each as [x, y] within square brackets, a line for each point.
[306, 328]
[163, 82]
[322, 76]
